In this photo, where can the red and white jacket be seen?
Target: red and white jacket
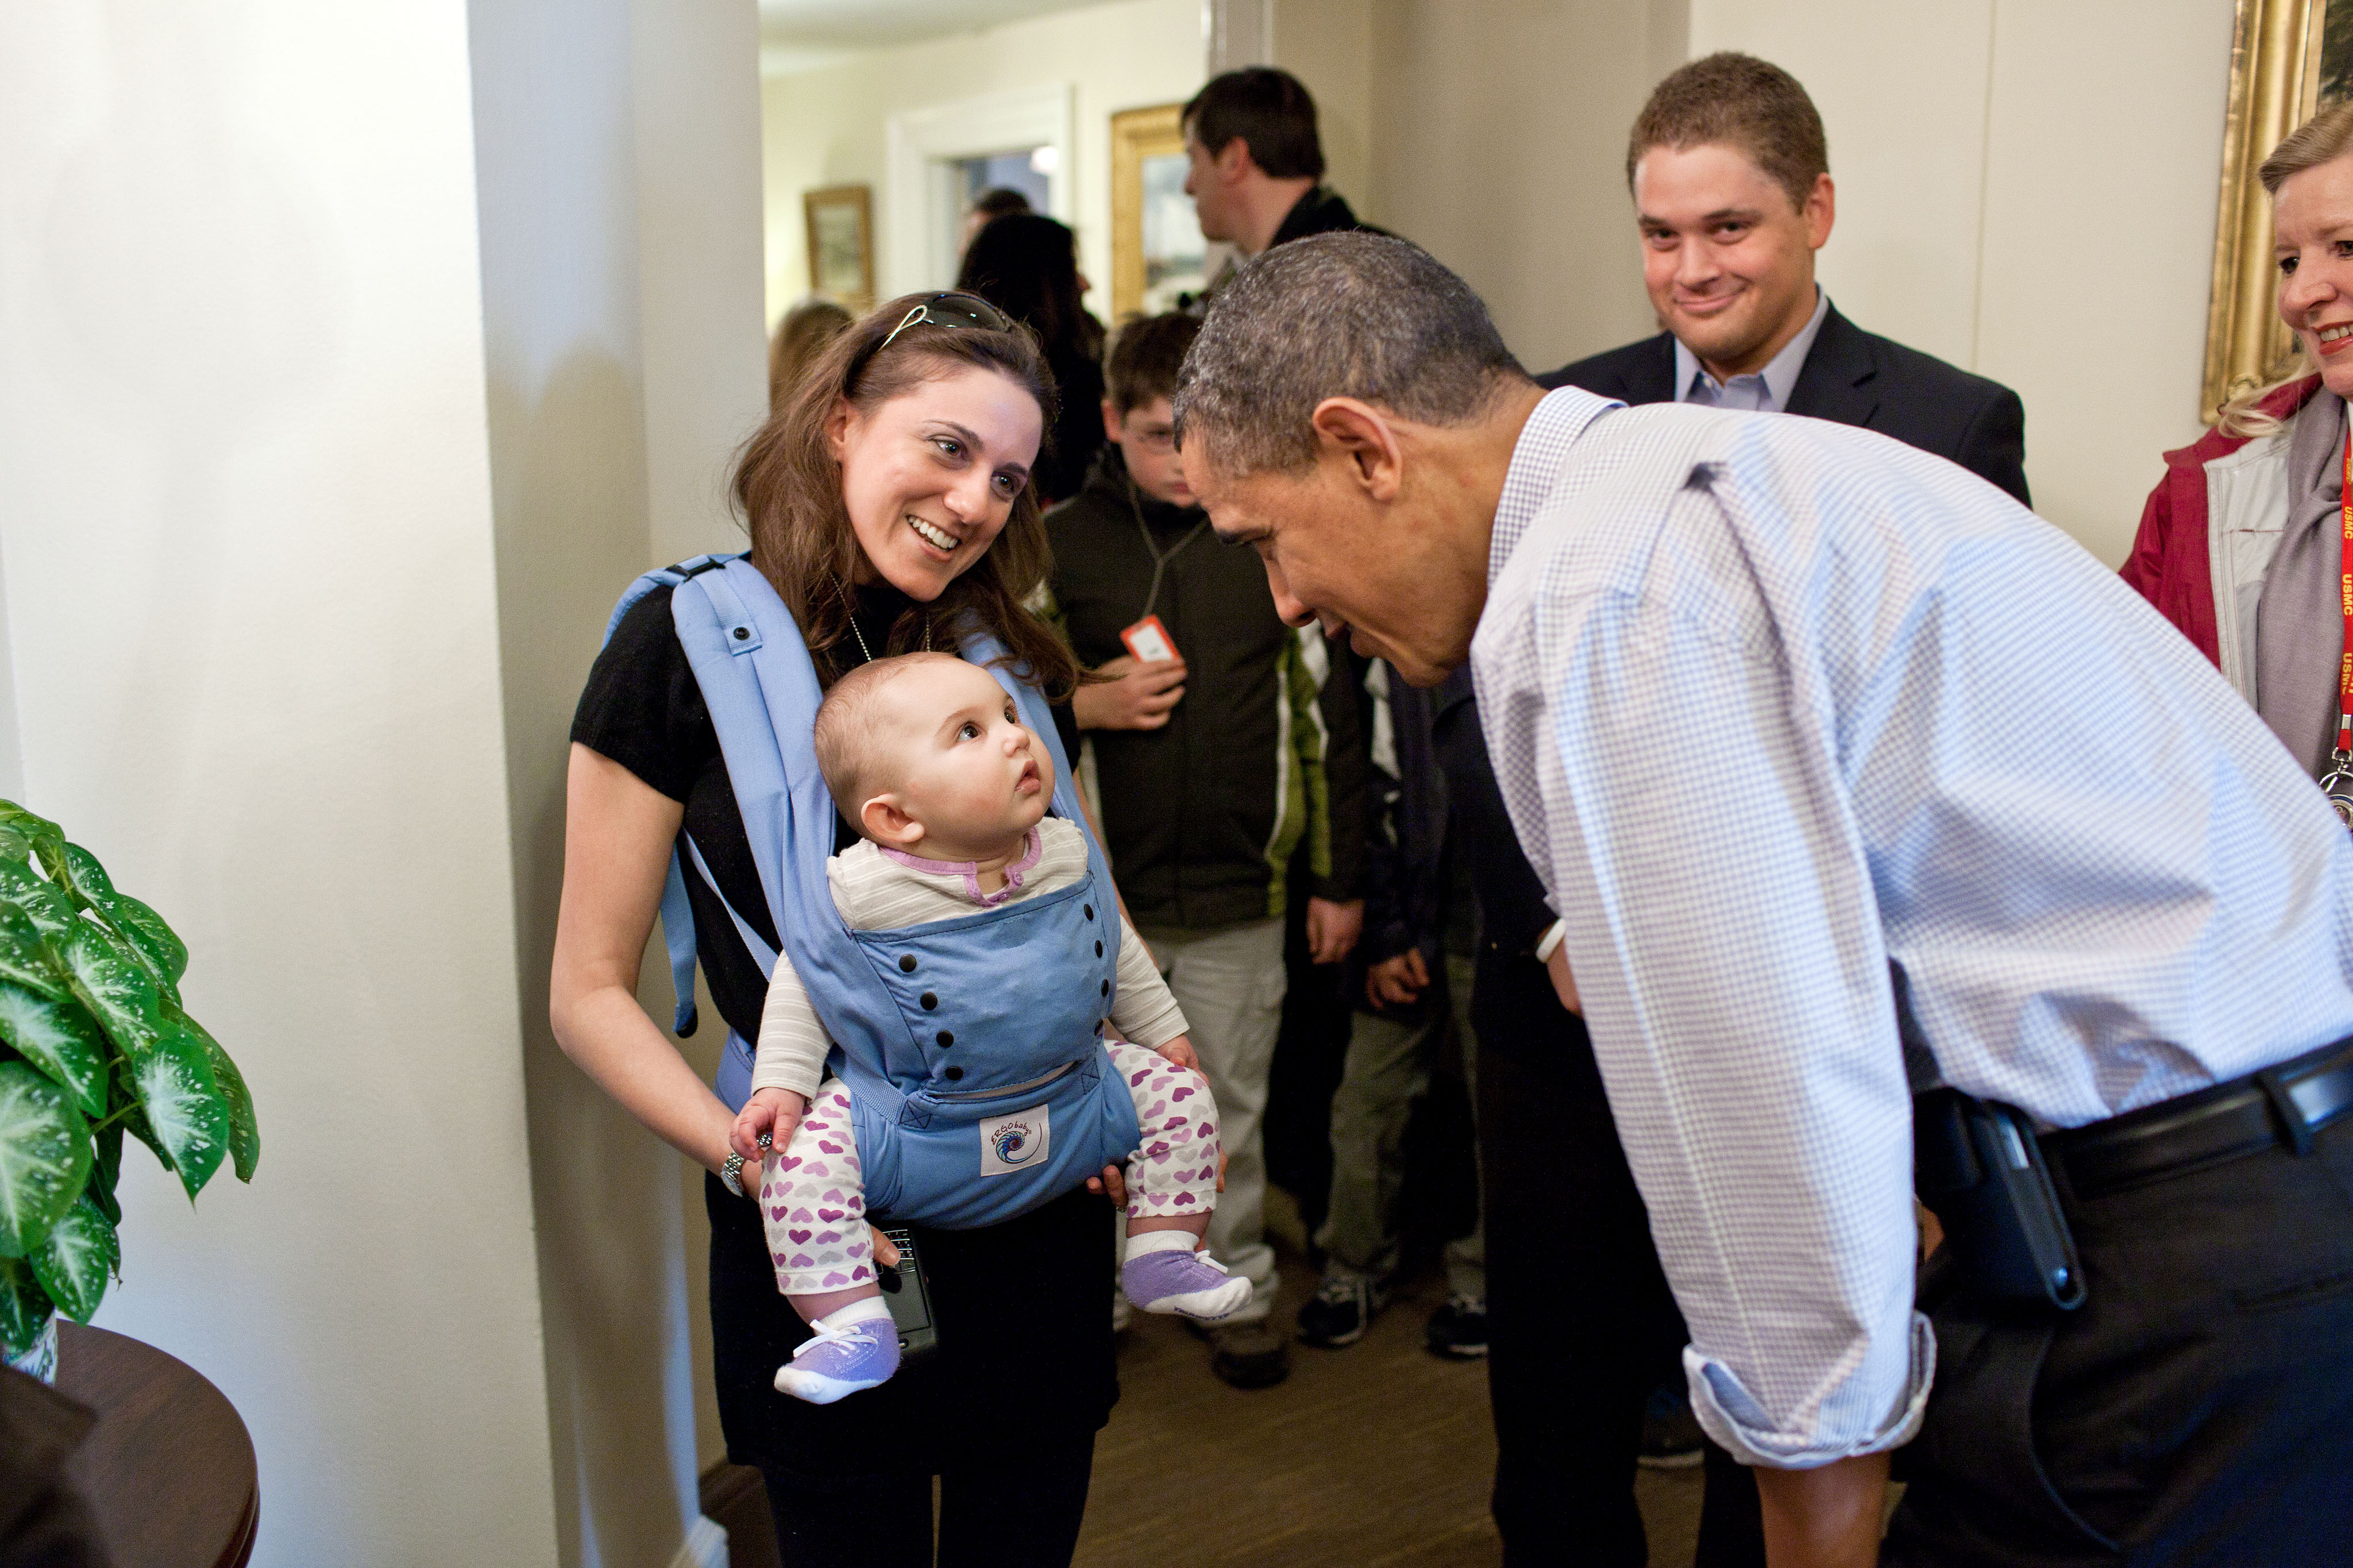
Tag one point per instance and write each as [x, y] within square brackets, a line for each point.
[2209, 533]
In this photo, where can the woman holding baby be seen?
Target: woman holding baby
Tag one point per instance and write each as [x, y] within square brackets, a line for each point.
[890, 508]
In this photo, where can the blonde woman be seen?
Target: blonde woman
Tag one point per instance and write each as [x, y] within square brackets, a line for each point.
[2241, 544]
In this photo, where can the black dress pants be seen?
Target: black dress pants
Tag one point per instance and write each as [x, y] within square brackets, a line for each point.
[1581, 1326]
[2198, 1410]
[1020, 1514]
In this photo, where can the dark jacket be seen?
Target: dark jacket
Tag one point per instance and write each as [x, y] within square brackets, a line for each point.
[1321, 211]
[1201, 815]
[1854, 377]
[1513, 1006]
[1418, 894]
[1408, 813]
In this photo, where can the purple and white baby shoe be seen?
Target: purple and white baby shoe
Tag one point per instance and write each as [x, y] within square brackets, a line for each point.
[1164, 1274]
[853, 1348]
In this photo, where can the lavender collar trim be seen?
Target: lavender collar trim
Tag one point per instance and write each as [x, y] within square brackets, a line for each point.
[1033, 844]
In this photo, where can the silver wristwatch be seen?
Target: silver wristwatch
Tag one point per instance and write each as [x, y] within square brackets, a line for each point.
[730, 1169]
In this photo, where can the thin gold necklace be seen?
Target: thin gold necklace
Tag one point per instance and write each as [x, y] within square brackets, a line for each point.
[851, 605]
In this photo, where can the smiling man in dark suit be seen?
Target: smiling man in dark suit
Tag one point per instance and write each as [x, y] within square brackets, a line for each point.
[1730, 176]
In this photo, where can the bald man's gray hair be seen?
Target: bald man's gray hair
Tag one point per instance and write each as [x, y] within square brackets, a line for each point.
[1334, 315]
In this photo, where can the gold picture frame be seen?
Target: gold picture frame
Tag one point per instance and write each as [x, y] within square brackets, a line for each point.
[1157, 255]
[842, 245]
[2275, 86]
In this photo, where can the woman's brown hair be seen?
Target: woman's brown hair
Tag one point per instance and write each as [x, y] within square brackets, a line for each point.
[801, 337]
[788, 484]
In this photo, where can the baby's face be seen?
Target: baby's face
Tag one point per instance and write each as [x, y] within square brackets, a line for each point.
[959, 761]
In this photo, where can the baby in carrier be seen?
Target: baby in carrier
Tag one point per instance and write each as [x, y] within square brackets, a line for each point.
[927, 757]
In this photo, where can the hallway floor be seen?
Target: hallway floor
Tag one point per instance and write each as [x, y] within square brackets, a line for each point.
[1378, 1455]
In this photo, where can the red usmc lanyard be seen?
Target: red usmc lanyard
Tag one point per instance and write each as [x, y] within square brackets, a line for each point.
[2344, 599]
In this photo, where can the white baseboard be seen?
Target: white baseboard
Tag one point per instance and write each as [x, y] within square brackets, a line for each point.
[705, 1545]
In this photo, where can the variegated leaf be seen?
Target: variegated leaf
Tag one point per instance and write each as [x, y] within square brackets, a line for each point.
[244, 1130]
[72, 1265]
[134, 1122]
[157, 944]
[77, 870]
[53, 913]
[106, 1171]
[25, 957]
[183, 1105]
[27, 823]
[25, 1307]
[60, 1037]
[15, 846]
[113, 984]
[45, 1155]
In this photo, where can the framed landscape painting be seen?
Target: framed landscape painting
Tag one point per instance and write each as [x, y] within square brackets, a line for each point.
[1158, 259]
[842, 245]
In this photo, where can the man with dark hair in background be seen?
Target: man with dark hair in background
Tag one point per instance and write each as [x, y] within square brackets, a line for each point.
[1227, 743]
[1730, 176]
[1257, 164]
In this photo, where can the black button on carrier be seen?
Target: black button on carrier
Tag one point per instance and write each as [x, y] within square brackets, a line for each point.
[953, 1074]
[906, 964]
[1090, 910]
[1098, 950]
[930, 999]
[946, 1039]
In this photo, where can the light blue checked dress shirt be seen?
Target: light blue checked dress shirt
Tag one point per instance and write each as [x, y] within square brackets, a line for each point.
[1773, 701]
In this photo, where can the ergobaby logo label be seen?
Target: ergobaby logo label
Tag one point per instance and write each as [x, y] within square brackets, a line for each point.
[1015, 1142]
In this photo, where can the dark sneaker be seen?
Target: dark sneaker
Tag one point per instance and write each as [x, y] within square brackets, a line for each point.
[1343, 1306]
[1249, 1355]
[1671, 1438]
[1459, 1328]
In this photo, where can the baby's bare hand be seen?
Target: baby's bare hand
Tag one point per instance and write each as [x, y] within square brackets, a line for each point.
[774, 1111]
[1180, 1051]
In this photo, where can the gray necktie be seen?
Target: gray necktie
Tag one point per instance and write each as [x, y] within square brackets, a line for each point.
[2300, 616]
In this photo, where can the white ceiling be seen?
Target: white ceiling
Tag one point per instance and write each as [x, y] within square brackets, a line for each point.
[830, 25]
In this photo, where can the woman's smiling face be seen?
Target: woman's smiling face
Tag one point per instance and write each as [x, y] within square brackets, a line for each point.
[929, 477]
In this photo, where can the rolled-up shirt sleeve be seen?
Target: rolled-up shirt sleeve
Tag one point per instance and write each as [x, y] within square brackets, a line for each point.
[1724, 934]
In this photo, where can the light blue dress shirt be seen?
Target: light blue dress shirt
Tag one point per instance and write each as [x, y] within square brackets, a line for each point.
[1767, 390]
[1775, 700]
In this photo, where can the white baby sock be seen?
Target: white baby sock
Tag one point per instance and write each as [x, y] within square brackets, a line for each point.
[1153, 1241]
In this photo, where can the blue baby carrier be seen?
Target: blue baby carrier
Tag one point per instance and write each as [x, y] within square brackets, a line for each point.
[972, 1048]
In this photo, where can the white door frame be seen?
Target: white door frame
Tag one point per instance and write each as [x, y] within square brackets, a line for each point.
[919, 142]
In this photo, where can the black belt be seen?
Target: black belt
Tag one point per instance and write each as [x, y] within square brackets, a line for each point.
[2284, 1104]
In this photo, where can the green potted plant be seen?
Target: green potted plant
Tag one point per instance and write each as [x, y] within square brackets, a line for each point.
[93, 1044]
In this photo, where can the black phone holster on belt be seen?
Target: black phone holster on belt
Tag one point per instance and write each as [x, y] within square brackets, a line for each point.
[1979, 1168]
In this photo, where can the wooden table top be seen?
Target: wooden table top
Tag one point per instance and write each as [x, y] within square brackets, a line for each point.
[169, 1467]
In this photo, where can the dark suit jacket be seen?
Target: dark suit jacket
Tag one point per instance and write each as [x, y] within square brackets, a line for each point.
[1853, 377]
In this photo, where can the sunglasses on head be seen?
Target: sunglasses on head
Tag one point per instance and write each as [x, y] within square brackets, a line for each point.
[951, 310]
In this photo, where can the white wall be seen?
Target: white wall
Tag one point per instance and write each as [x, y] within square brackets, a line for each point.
[2038, 206]
[355, 362]
[1499, 143]
[245, 506]
[825, 127]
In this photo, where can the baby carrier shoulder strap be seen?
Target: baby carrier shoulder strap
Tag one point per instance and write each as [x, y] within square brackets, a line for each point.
[677, 914]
